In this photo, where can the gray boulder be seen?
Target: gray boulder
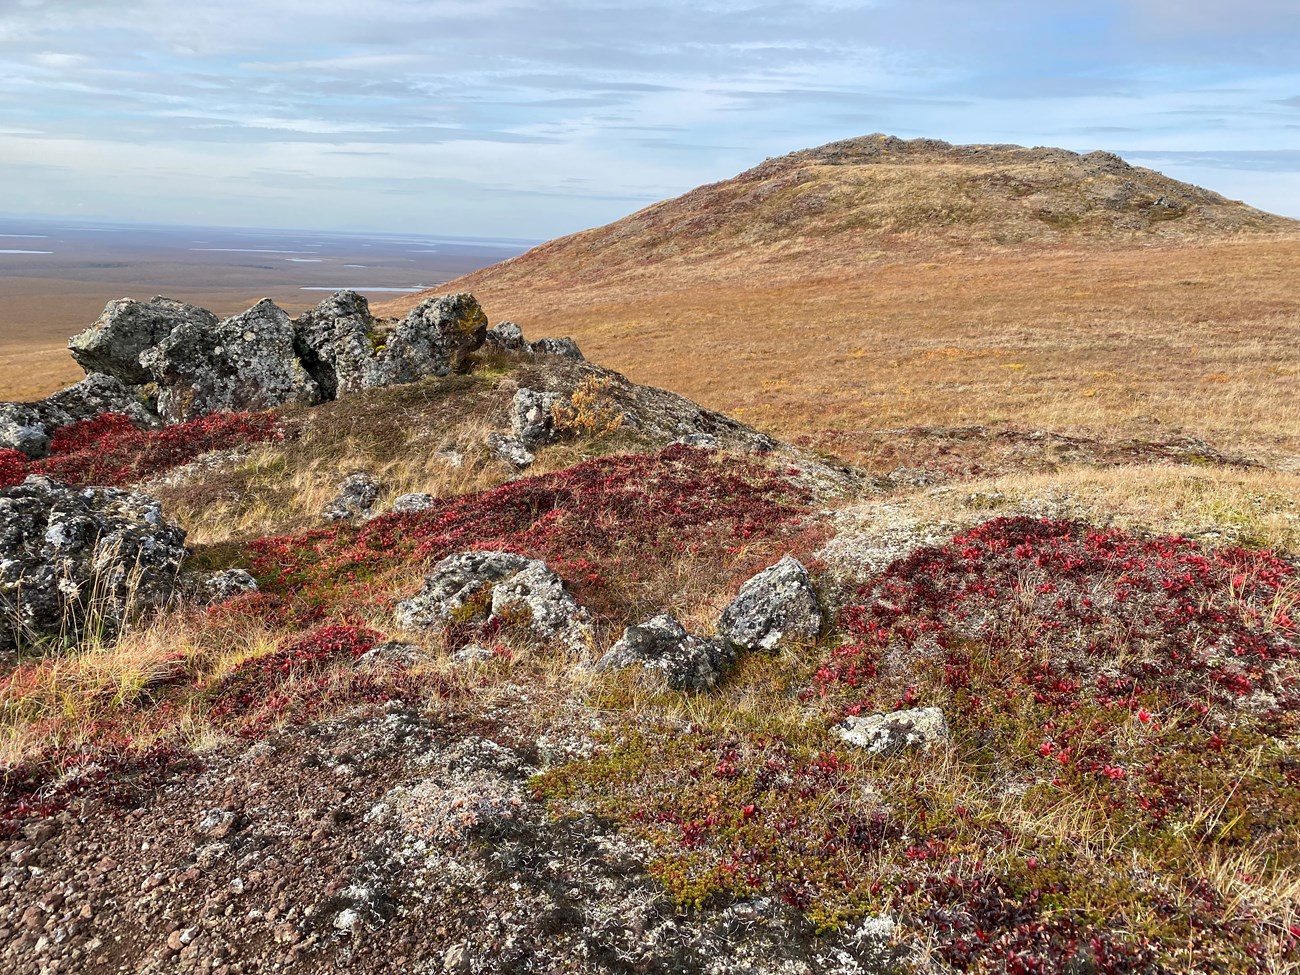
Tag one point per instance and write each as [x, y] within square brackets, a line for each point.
[532, 416]
[217, 587]
[431, 341]
[243, 363]
[895, 732]
[80, 562]
[662, 646]
[338, 342]
[511, 450]
[776, 605]
[477, 587]
[507, 337]
[357, 495]
[127, 328]
[29, 427]
[565, 347]
[410, 503]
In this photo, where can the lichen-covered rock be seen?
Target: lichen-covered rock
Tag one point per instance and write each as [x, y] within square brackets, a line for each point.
[357, 495]
[431, 341]
[511, 450]
[477, 587]
[564, 347]
[776, 605]
[217, 587]
[662, 645]
[126, 329]
[338, 342]
[391, 654]
[246, 362]
[507, 337]
[29, 427]
[895, 732]
[532, 416]
[78, 561]
[406, 504]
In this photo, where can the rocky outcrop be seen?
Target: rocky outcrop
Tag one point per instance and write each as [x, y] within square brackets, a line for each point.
[244, 363]
[478, 587]
[338, 342]
[432, 340]
[75, 561]
[565, 347]
[663, 647]
[126, 329]
[357, 495]
[507, 337]
[895, 732]
[29, 427]
[776, 605]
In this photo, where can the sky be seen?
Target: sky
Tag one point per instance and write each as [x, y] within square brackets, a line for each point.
[532, 119]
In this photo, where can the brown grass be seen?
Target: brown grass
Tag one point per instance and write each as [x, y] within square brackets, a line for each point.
[1142, 341]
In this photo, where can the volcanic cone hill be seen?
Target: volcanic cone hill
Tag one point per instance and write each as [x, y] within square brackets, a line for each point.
[876, 284]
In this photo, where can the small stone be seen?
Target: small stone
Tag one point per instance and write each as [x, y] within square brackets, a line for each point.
[348, 921]
[456, 960]
[410, 503]
[895, 732]
[512, 450]
[357, 495]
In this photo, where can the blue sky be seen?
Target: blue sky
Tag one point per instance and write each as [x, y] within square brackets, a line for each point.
[533, 119]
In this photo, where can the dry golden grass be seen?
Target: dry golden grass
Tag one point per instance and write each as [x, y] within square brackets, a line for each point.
[1146, 342]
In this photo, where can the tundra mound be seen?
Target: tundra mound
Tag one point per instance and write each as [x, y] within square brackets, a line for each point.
[352, 644]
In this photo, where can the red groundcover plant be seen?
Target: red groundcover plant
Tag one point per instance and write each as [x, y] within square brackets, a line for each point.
[111, 451]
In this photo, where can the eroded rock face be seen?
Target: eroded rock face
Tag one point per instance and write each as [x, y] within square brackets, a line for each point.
[661, 644]
[244, 363]
[127, 328]
[895, 732]
[29, 427]
[477, 587]
[431, 341]
[532, 416]
[357, 495]
[338, 343]
[776, 605]
[74, 560]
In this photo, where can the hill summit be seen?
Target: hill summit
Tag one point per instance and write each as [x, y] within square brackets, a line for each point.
[879, 195]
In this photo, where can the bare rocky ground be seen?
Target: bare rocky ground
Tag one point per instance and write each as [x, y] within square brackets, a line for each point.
[379, 841]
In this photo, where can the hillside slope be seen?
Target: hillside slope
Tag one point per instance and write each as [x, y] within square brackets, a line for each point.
[876, 284]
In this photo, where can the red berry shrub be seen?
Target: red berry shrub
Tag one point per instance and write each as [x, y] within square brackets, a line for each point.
[606, 526]
[110, 450]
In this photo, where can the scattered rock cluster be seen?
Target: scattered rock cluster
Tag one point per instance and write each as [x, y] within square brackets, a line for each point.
[480, 587]
[78, 562]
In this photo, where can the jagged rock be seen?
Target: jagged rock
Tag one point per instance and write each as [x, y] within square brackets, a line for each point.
[217, 587]
[406, 504]
[126, 329]
[897, 731]
[532, 416]
[510, 449]
[507, 337]
[338, 342]
[357, 495]
[29, 427]
[75, 561]
[431, 341]
[686, 662]
[565, 347]
[776, 605]
[477, 587]
[243, 363]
